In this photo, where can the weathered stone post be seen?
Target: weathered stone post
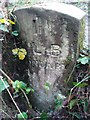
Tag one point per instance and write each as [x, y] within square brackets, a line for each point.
[51, 31]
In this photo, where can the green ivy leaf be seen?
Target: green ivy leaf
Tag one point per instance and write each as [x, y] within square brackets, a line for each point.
[24, 115]
[58, 103]
[4, 28]
[22, 85]
[47, 85]
[2, 86]
[15, 33]
[83, 60]
[19, 85]
[27, 90]
[85, 104]
[15, 84]
[44, 116]
[80, 85]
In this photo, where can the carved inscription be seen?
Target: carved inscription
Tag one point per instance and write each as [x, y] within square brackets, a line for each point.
[49, 58]
[53, 51]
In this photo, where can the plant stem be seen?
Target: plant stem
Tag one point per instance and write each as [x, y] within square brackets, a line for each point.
[26, 98]
[10, 81]
[71, 72]
[3, 101]
[84, 79]
[6, 114]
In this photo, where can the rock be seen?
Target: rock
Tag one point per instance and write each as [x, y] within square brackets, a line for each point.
[51, 31]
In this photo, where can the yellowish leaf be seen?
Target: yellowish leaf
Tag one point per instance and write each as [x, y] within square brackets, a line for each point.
[15, 51]
[21, 55]
[7, 20]
[10, 21]
[23, 50]
[2, 20]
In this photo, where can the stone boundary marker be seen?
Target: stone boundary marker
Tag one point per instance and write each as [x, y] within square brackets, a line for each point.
[89, 24]
[51, 31]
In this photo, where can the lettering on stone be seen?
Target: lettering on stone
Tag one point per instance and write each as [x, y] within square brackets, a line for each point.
[43, 56]
[53, 51]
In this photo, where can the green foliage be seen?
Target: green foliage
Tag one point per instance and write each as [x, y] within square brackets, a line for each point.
[3, 28]
[80, 102]
[59, 101]
[72, 103]
[17, 85]
[84, 57]
[44, 116]
[84, 60]
[76, 114]
[24, 114]
[85, 103]
[20, 52]
[15, 33]
[47, 86]
[80, 85]
[2, 86]
[5, 24]
[58, 104]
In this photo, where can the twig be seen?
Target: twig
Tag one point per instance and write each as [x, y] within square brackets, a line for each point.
[10, 81]
[84, 79]
[6, 114]
[71, 72]
[3, 101]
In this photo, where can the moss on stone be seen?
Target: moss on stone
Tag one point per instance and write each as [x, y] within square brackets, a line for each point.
[81, 34]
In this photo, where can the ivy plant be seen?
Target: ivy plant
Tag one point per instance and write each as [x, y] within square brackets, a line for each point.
[24, 114]
[84, 60]
[17, 85]
[44, 116]
[20, 53]
[2, 86]
[5, 25]
[47, 85]
[84, 57]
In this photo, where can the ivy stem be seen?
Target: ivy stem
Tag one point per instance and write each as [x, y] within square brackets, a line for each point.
[10, 81]
[26, 98]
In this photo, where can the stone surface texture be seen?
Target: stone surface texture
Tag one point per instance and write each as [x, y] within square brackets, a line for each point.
[52, 38]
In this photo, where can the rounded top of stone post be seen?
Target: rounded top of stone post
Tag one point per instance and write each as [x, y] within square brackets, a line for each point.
[63, 8]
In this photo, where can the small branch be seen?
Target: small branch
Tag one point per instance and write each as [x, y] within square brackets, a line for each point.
[71, 72]
[3, 101]
[84, 79]
[6, 114]
[10, 81]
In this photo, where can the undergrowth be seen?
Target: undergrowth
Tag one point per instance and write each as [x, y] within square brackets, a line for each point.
[74, 107]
